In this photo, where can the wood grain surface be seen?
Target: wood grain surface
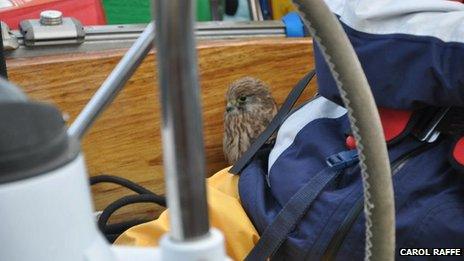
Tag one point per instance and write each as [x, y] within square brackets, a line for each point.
[125, 141]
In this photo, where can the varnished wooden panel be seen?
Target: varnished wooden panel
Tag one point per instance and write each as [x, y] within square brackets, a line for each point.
[126, 141]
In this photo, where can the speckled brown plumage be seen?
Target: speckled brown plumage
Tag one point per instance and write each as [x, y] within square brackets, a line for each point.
[250, 108]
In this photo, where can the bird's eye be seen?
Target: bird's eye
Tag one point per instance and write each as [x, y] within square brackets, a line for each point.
[242, 98]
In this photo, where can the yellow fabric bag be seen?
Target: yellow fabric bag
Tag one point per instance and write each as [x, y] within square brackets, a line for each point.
[281, 7]
[225, 213]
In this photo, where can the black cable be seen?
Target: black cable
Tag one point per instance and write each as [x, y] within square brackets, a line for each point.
[120, 227]
[115, 230]
[3, 71]
[112, 231]
[124, 201]
[120, 181]
[111, 237]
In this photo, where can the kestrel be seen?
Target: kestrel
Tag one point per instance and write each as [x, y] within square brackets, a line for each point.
[250, 108]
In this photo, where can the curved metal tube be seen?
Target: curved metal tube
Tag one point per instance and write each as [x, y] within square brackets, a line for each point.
[114, 83]
[10, 92]
[365, 123]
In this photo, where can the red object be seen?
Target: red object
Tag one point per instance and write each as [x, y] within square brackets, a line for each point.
[88, 12]
[394, 122]
[350, 143]
[458, 151]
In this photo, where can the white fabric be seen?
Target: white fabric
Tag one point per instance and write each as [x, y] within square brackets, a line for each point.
[316, 109]
[441, 19]
[5, 3]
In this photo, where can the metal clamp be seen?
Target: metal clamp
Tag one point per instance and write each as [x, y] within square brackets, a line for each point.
[52, 29]
[10, 42]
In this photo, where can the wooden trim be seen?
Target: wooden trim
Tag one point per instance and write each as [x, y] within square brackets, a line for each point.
[126, 140]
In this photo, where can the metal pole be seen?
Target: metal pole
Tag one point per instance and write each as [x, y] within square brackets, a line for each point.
[255, 10]
[182, 133]
[3, 71]
[114, 83]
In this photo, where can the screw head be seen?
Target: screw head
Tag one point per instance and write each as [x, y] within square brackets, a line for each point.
[51, 17]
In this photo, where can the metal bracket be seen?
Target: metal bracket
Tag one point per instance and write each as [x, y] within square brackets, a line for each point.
[52, 29]
[10, 42]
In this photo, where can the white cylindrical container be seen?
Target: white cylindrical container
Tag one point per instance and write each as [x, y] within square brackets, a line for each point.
[49, 217]
[45, 205]
[208, 248]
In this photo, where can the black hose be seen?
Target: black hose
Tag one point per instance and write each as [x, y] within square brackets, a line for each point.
[118, 228]
[120, 181]
[112, 231]
[124, 201]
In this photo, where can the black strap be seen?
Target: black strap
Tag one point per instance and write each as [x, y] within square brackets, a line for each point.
[274, 124]
[345, 227]
[287, 219]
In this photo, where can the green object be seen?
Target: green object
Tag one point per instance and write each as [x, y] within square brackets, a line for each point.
[203, 10]
[127, 11]
[139, 11]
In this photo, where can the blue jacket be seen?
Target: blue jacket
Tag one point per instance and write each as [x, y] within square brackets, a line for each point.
[410, 64]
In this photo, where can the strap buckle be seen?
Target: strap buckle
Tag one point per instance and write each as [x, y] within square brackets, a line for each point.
[342, 159]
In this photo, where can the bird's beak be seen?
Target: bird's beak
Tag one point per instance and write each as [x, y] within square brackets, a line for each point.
[230, 106]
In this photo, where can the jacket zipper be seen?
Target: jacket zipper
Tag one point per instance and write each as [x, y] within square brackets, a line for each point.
[340, 235]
